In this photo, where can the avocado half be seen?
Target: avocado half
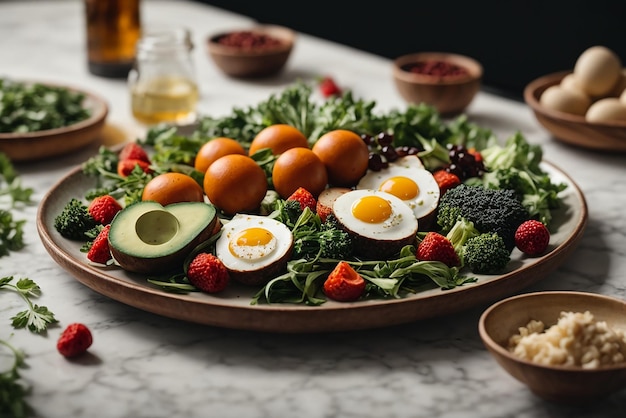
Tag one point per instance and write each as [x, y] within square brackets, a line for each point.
[147, 237]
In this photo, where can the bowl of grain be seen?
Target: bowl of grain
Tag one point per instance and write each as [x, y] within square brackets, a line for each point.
[566, 346]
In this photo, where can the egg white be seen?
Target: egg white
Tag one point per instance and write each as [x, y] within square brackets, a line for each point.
[253, 258]
[401, 225]
[411, 168]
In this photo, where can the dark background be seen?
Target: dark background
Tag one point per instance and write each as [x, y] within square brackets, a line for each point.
[516, 41]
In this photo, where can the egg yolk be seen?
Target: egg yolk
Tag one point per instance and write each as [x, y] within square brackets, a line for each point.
[371, 209]
[252, 243]
[401, 187]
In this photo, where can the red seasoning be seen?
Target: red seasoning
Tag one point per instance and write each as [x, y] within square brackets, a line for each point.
[249, 40]
[436, 68]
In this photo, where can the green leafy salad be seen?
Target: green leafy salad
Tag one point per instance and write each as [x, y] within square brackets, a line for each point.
[26, 107]
[513, 164]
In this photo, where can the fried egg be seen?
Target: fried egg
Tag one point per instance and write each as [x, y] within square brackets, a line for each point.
[254, 248]
[408, 180]
[380, 223]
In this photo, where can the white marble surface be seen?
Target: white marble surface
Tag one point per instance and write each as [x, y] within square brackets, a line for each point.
[144, 365]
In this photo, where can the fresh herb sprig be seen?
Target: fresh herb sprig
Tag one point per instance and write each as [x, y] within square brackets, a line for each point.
[36, 318]
[12, 194]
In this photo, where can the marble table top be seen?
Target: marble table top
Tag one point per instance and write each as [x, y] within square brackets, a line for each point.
[145, 365]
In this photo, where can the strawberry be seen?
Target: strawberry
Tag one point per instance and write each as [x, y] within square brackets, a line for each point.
[99, 251]
[344, 283]
[328, 87]
[436, 247]
[208, 273]
[125, 167]
[134, 151]
[74, 340]
[104, 208]
[446, 180]
[532, 237]
[305, 198]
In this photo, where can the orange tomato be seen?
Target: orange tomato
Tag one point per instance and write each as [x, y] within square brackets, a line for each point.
[345, 155]
[214, 149]
[299, 167]
[170, 188]
[235, 183]
[279, 138]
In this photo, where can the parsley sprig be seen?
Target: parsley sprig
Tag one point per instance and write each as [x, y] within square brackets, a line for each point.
[36, 318]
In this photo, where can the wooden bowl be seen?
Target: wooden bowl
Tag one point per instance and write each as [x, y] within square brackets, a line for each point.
[253, 62]
[38, 145]
[449, 94]
[561, 384]
[573, 129]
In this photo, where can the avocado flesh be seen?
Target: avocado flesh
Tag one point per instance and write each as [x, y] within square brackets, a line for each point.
[149, 238]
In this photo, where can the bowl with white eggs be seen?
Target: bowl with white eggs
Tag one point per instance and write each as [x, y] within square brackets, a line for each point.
[585, 106]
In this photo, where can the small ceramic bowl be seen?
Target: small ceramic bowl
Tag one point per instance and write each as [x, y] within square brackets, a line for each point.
[443, 80]
[259, 51]
[560, 384]
[570, 128]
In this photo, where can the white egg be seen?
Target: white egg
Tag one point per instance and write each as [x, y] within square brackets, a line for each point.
[380, 223]
[254, 248]
[408, 180]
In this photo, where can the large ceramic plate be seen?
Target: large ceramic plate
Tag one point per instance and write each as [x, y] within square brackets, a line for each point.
[31, 146]
[232, 309]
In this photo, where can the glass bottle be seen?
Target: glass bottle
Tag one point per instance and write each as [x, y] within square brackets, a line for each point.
[162, 82]
[113, 28]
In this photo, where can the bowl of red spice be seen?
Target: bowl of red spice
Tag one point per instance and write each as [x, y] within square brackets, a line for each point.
[259, 51]
[447, 81]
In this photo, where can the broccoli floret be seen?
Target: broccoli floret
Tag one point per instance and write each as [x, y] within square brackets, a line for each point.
[74, 222]
[490, 210]
[334, 241]
[486, 253]
[286, 211]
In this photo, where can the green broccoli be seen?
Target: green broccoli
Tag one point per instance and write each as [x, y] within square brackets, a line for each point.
[486, 253]
[490, 210]
[334, 241]
[74, 222]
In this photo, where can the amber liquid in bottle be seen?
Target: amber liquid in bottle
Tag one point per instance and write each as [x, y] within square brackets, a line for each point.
[164, 99]
[113, 28]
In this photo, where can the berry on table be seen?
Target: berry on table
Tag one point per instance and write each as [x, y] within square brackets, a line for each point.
[74, 340]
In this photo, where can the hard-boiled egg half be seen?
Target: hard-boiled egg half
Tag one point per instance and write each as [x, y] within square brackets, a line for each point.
[408, 180]
[254, 248]
[380, 222]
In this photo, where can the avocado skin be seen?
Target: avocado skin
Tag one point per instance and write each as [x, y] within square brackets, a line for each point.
[149, 259]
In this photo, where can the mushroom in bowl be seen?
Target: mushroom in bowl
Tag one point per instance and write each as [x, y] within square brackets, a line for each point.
[259, 51]
[449, 82]
[566, 346]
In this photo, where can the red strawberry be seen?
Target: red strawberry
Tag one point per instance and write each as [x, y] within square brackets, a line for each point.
[74, 340]
[328, 87]
[446, 180]
[100, 252]
[305, 198]
[125, 167]
[134, 151]
[208, 273]
[436, 247]
[104, 208]
[344, 283]
[532, 237]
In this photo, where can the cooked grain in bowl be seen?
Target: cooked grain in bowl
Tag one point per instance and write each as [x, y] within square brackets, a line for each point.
[576, 340]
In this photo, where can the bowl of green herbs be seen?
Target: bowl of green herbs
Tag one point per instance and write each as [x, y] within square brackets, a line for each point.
[42, 120]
